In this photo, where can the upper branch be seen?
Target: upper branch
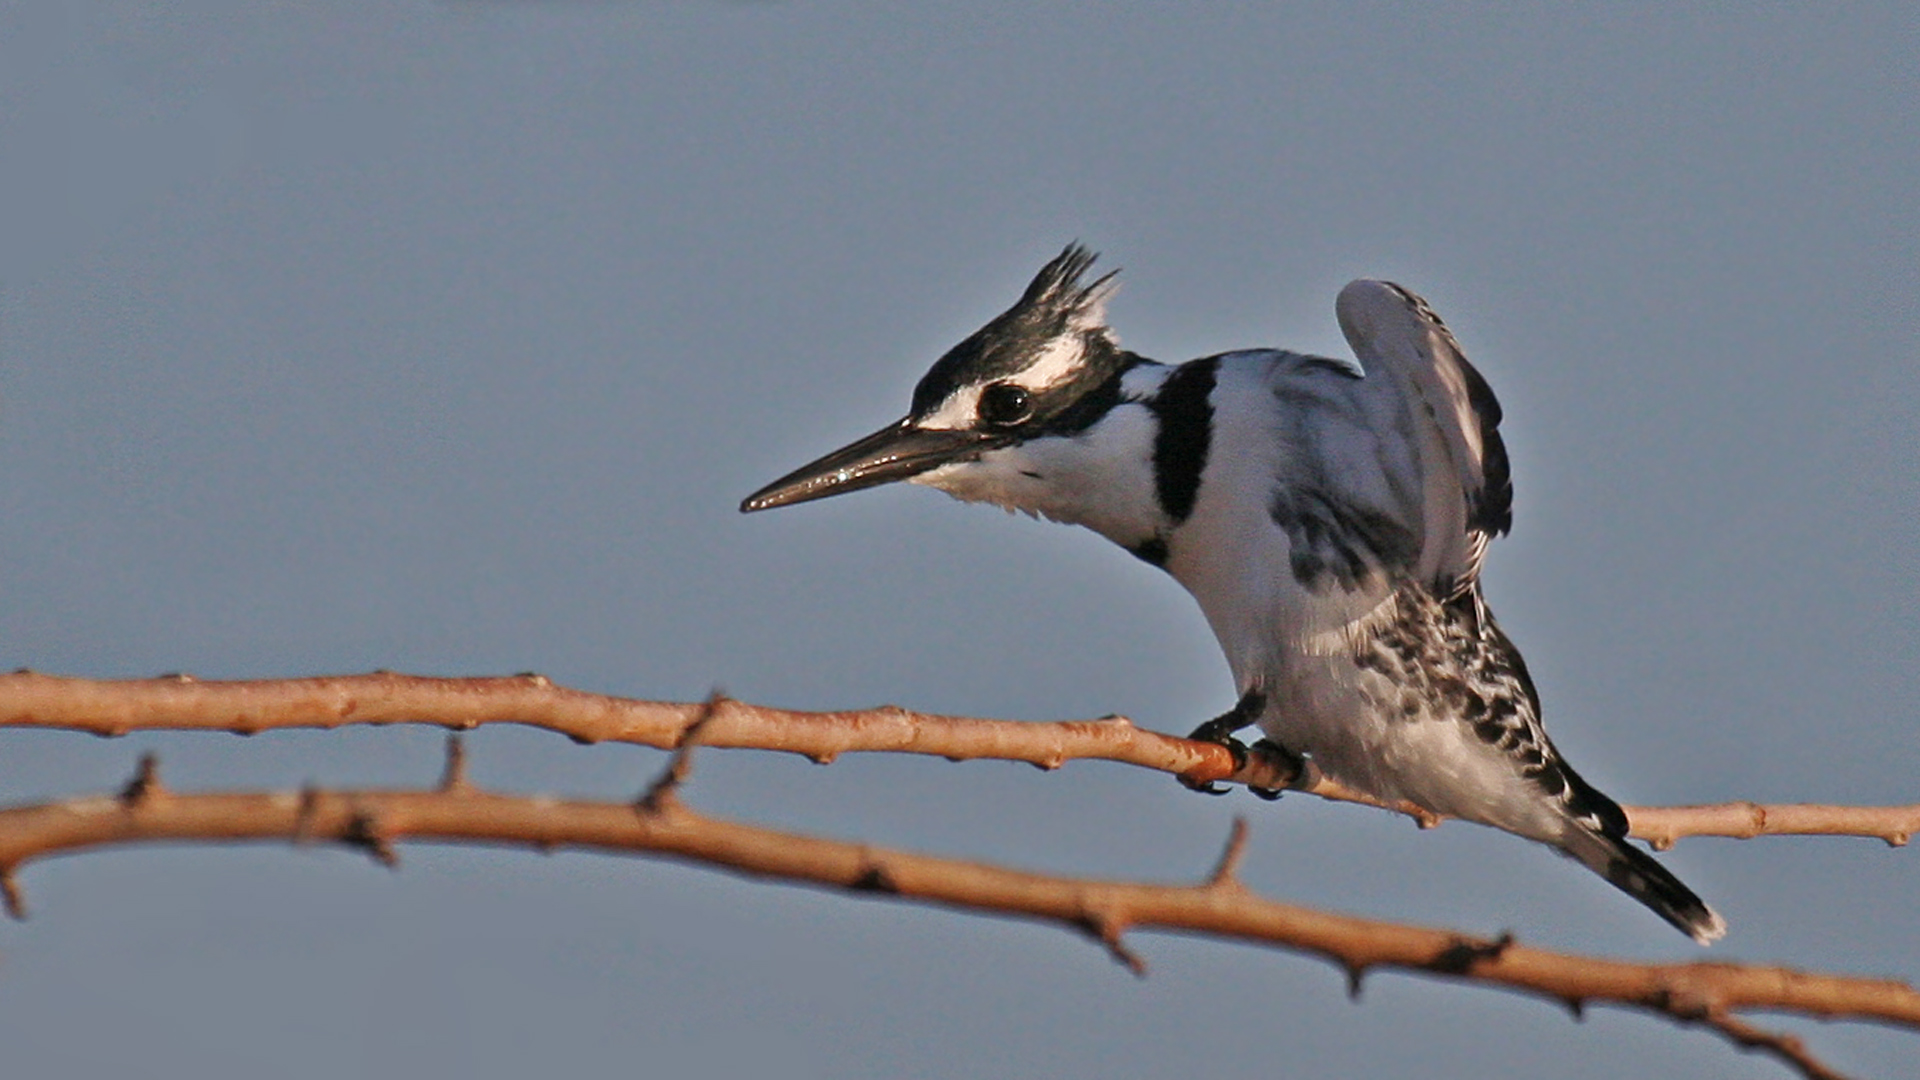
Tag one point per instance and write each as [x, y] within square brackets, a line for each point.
[182, 703]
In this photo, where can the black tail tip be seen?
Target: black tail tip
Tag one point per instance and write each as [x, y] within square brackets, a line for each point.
[1637, 874]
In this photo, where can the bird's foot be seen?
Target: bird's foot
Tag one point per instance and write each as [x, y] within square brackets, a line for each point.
[1234, 746]
[1280, 760]
[1220, 731]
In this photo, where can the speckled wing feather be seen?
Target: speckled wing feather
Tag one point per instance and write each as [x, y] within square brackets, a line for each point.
[1466, 488]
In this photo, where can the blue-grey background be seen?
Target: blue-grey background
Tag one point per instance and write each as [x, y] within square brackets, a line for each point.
[446, 337]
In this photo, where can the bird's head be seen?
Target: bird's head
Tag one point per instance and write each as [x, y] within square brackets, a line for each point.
[1045, 366]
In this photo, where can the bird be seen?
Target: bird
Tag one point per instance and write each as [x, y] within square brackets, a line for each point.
[1330, 516]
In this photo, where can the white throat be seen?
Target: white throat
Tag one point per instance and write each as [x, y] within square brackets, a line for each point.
[1101, 477]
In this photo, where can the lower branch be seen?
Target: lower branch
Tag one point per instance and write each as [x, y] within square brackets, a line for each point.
[183, 703]
[455, 812]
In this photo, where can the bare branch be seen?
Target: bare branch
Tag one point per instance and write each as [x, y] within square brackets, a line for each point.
[1661, 826]
[1705, 993]
[182, 703]
[1788, 1048]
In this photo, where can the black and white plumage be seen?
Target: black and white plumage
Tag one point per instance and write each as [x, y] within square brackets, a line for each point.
[1331, 518]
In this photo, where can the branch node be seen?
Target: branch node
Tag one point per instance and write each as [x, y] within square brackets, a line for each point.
[534, 679]
[874, 877]
[1356, 975]
[1576, 1008]
[660, 796]
[144, 787]
[10, 895]
[1663, 842]
[1464, 954]
[1897, 839]
[1044, 764]
[827, 757]
[177, 677]
[1689, 1003]
[453, 775]
[1226, 871]
[303, 817]
[364, 832]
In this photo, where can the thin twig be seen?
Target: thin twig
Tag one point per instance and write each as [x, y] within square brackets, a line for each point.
[1789, 1049]
[453, 775]
[182, 703]
[662, 795]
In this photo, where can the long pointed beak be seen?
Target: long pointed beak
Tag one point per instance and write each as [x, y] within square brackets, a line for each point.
[896, 452]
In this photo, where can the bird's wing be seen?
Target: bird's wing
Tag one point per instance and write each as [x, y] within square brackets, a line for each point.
[1451, 425]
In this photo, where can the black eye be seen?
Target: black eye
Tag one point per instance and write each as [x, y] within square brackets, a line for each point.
[1004, 404]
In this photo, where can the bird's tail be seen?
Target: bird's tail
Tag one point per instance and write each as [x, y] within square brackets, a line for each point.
[1635, 873]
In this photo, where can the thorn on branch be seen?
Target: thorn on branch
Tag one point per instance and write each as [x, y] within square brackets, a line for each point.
[11, 897]
[145, 785]
[453, 775]
[1226, 871]
[660, 795]
[364, 832]
[1107, 930]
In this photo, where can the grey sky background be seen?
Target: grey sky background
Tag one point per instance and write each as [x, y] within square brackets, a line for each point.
[446, 338]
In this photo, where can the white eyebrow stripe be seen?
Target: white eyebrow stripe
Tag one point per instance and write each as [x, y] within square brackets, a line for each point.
[1062, 357]
[955, 413]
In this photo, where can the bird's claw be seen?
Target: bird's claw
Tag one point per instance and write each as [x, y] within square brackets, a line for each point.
[1272, 751]
[1234, 747]
[1219, 731]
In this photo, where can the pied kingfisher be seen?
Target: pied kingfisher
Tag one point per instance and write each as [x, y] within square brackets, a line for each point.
[1331, 518]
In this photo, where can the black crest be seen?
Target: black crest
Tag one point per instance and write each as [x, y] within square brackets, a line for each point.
[1057, 303]
[1057, 295]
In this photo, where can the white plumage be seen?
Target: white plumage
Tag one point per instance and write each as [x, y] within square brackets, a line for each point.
[1330, 517]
